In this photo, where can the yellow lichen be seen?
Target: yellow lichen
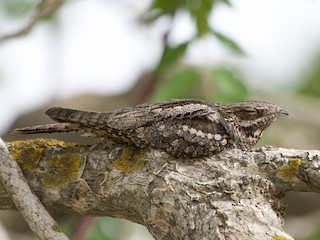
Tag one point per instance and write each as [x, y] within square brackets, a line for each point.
[55, 227]
[290, 171]
[61, 170]
[27, 153]
[278, 237]
[131, 160]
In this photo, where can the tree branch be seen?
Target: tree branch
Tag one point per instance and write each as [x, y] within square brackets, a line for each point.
[234, 195]
[43, 10]
[39, 220]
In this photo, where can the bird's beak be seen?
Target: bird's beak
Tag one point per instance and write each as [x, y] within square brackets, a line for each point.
[284, 112]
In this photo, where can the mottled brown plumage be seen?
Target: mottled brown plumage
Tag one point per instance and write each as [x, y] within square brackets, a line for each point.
[183, 128]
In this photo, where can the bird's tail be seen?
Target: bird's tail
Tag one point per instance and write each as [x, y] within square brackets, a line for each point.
[85, 118]
[48, 128]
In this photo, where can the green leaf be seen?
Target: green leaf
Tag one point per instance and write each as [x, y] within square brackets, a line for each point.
[228, 42]
[202, 25]
[171, 55]
[167, 6]
[183, 84]
[200, 11]
[229, 86]
[160, 8]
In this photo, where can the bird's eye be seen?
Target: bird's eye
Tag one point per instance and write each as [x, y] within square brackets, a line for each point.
[250, 111]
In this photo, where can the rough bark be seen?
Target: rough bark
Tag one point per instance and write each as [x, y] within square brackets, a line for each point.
[232, 195]
[38, 218]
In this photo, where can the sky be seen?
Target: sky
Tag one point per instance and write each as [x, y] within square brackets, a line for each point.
[97, 46]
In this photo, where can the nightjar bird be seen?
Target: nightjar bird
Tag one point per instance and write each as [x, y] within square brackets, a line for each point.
[183, 128]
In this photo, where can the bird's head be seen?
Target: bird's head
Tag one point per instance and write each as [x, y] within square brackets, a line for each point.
[251, 117]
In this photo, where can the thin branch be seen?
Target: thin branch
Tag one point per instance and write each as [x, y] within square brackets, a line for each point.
[44, 9]
[39, 220]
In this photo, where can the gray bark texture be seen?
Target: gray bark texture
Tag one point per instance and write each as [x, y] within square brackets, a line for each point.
[38, 218]
[231, 195]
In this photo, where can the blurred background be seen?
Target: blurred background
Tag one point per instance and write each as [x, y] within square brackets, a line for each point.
[107, 54]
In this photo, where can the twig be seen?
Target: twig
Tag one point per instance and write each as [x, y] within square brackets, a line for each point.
[44, 9]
